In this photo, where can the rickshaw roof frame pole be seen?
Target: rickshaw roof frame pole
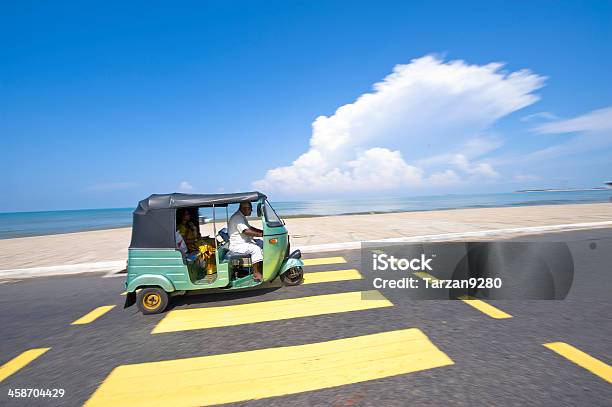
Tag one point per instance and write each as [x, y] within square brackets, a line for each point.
[214, 227]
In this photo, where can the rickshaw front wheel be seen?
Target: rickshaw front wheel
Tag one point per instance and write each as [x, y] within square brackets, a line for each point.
[293, 276]
[152, 300]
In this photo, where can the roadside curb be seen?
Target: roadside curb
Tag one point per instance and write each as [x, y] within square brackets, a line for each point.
[113, 267]
[507, 232]
[102, 266]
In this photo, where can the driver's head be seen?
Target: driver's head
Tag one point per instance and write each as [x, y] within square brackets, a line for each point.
[246, 208]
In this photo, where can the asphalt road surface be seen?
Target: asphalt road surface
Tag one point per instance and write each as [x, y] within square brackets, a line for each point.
[395, 351]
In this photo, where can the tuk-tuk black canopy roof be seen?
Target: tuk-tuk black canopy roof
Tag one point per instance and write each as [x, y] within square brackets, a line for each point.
[167, 201]
[154, 223]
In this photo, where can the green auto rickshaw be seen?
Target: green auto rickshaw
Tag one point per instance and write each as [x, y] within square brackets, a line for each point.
[157, 270]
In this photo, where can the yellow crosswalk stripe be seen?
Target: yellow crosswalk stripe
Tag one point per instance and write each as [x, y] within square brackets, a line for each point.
[423, 275]
[582, 359]
[330, 276]
[20, 361]
[271, 372]
[323, 260]
[480, 305]
[93, 315]
[229, 315]
[485, 308]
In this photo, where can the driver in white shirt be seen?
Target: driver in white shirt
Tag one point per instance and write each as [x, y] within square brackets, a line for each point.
[241, 238]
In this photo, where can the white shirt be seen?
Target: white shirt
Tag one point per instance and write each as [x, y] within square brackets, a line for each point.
[238, 223]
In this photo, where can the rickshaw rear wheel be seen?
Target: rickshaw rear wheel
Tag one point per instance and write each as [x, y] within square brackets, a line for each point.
[152, 300]
[293, 276]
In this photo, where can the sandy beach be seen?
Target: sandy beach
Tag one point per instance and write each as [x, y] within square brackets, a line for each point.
[112, 244]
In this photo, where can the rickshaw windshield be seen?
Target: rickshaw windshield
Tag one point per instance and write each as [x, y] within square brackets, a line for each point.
[272, 219]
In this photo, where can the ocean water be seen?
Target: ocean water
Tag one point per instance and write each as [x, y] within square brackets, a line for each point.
[19, 224]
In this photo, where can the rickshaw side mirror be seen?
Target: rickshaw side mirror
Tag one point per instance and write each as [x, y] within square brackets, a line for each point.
[259, 213]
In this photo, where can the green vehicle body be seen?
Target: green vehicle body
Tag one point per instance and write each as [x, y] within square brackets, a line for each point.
[165, 268]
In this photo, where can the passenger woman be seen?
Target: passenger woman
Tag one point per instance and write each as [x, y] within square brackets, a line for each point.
[188, 230]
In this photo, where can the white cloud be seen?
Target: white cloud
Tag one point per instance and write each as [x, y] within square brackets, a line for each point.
[593, 122]
[539, 116]
[185, 186]
[482, 169]
[444, 179]
[460, 163]
[424, 123]
[592, 130]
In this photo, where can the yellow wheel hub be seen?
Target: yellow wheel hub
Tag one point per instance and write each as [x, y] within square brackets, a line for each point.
[151, 301]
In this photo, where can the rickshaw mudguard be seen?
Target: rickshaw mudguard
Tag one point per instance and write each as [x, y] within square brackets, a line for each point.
[150, 280]
[290, 263]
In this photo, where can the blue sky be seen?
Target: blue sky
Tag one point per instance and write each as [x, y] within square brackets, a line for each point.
[104, 103]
